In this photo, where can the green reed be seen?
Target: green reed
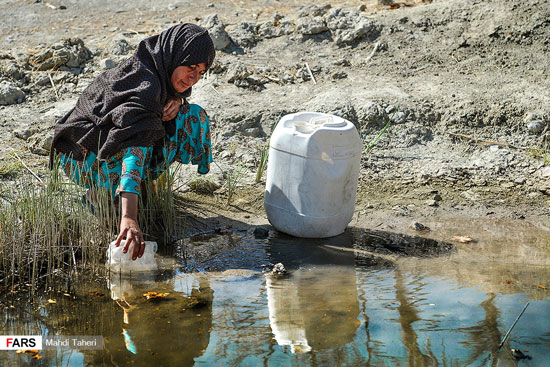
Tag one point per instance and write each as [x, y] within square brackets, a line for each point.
[158, 216]
[262, 162]
[48, 234]
[384, 129]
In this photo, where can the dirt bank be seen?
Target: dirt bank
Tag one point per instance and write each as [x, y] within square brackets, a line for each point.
[468, 79]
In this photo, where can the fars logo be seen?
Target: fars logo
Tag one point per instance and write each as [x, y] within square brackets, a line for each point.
[16, 342]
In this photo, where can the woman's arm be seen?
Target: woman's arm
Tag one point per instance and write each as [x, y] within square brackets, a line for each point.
[129, 227]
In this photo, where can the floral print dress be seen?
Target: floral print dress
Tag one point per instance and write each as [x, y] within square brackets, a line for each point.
[124, 171]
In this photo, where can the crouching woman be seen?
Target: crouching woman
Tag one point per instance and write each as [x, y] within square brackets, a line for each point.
[133, 121]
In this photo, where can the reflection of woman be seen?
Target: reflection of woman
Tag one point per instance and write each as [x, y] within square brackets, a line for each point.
[166, 331]
[132, 121]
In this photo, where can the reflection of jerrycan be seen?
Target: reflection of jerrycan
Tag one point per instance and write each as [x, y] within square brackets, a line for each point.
[314, 309]
[120, 262]
[285, 316]
[312, 174]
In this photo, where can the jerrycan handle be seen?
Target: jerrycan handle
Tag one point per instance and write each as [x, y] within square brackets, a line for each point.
[301, 127]
[327, 121]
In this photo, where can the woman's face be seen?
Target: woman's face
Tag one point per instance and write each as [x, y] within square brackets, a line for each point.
[184, 77]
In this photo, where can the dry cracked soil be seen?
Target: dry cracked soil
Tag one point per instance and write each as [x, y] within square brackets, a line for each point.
[464, 81]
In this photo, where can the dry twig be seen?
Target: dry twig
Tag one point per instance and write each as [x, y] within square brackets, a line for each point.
[310, 73]
[482, 142]
[53, 86]
[27, 167]
[376, 45]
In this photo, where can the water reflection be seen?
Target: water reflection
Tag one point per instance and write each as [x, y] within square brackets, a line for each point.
[159, 330]
[315, 307]
[359, 299]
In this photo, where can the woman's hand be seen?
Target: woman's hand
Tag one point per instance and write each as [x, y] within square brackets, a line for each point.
[129, 227]
[171, 109]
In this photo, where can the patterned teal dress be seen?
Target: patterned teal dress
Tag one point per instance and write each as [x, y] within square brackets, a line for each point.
[124, 171]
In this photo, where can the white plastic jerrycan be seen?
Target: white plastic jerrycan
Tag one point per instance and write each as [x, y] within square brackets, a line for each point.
[312, 174]
[120, 262]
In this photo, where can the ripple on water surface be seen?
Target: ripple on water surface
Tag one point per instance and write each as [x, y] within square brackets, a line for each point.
[362, 298]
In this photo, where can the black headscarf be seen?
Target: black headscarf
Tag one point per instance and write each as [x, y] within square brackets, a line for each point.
[123, 106]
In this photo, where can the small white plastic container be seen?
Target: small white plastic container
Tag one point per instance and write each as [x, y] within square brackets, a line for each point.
[312, 174]
[120, 262]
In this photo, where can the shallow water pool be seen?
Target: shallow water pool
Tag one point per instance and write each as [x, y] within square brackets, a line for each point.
[365, 298]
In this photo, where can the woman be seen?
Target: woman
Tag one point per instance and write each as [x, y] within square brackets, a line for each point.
[132, 121]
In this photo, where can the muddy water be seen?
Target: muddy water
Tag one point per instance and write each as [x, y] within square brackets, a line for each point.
[363, 298]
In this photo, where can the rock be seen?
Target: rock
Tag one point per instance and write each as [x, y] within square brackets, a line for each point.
[119, 46]
[348, 26]
[59, 109]
[107, 64]
[254, 132]
[365, 28]
[311, 25]
[12, 70]
[431, 202]
[535, 127]
[534, 195]
[245, 34]
[261, 233]
[303, 74]
[535, 123]
[25, 132]
[244, 78]
[544, 172]
[341, 62]
[275, 28]
[237, 73]
[278, 270]
[419, 227]
[203, 186]
[312, 11]
[41, 143]
[401, 210]
[40, 79]
[69, 52]
[10, 94]
[399, 117]
[339, 75]
[217, 32]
